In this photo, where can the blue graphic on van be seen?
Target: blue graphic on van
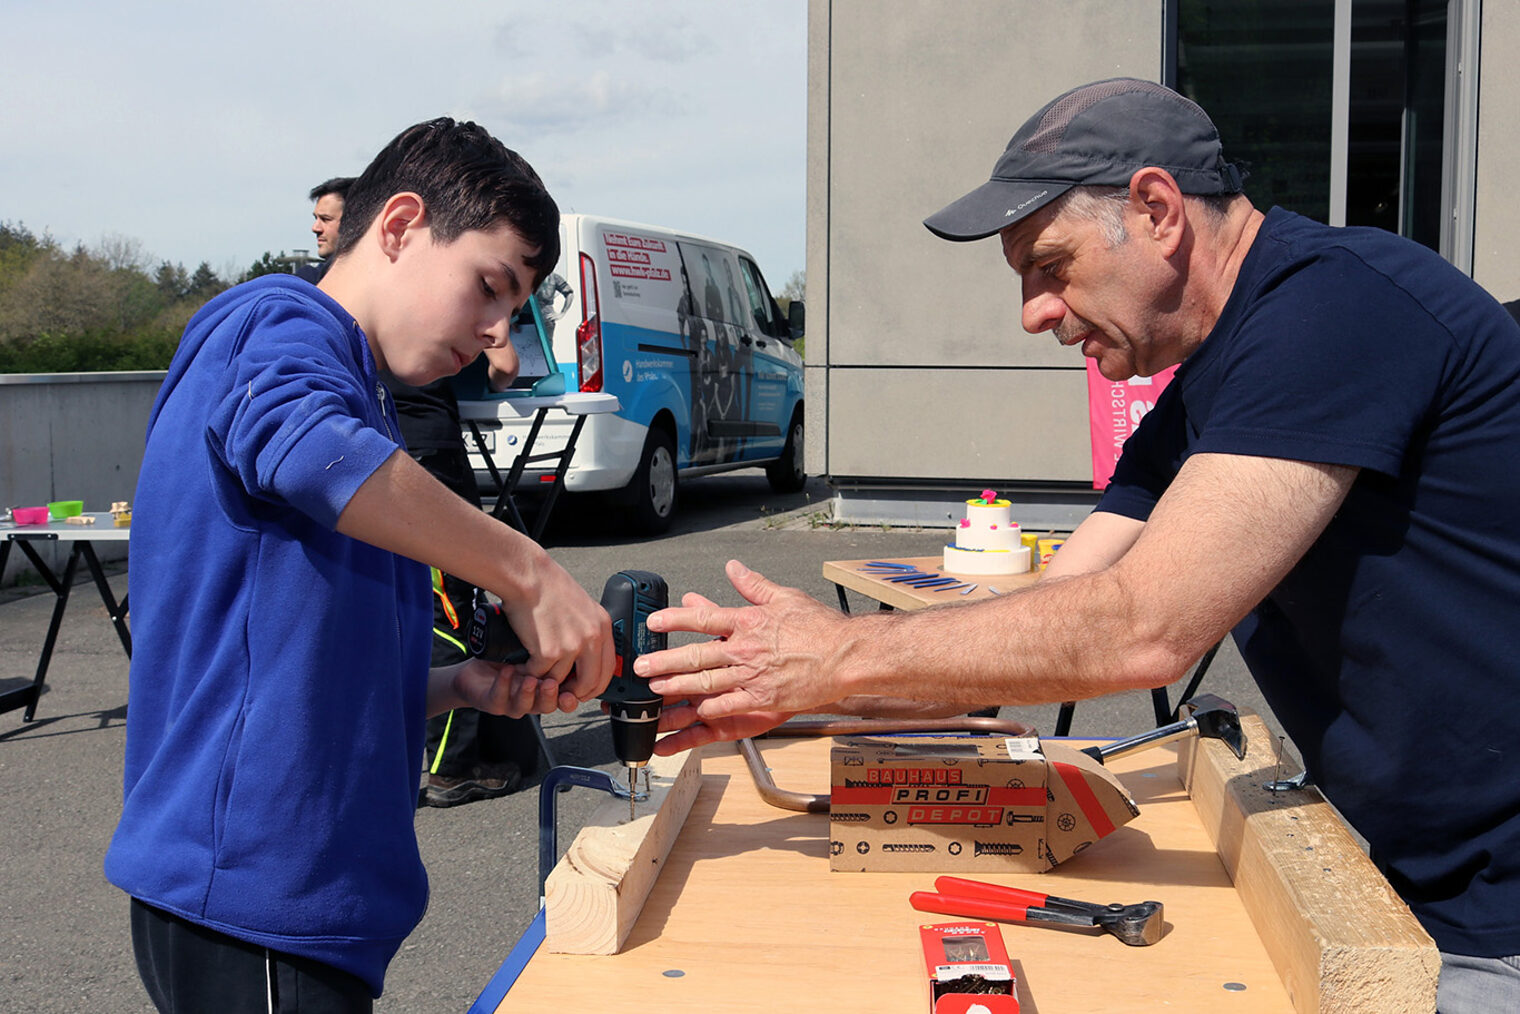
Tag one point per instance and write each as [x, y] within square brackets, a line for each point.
[684, 333]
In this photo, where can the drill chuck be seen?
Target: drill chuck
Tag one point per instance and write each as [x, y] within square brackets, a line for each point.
[634, 724]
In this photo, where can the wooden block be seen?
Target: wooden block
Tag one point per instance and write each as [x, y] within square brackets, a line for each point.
[1297, 869]
[596, 891]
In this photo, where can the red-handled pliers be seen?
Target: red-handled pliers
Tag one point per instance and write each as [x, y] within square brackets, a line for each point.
[1138, 925]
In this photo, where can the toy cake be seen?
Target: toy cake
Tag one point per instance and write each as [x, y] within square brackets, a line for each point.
[988, 540]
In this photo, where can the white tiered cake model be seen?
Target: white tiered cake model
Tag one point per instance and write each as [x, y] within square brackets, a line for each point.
[988, 540]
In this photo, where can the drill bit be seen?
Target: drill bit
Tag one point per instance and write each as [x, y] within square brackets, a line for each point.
[633, 774]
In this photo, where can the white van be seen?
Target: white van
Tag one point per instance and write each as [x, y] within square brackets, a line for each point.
[684, 332]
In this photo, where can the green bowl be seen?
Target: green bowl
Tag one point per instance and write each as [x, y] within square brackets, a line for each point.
[61, 509]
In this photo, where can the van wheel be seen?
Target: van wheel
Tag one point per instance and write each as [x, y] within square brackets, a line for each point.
[785, 473]
[652, 493]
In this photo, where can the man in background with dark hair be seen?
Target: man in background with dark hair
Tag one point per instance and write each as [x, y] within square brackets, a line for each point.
[326, 215]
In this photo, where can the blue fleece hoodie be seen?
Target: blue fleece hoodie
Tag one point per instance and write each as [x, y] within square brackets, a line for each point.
[276, 710]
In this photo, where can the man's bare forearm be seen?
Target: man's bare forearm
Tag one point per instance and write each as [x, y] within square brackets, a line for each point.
[1158, 596]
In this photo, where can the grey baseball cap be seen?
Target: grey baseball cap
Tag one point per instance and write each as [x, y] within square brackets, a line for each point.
[1098, 134]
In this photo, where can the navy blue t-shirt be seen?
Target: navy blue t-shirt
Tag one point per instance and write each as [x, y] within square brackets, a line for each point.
[1391, 652]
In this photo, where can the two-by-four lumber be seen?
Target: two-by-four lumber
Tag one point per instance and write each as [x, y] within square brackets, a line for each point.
[1341, 940]
[594, 895]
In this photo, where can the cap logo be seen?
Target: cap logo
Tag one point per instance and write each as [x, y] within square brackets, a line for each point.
[1020, 207]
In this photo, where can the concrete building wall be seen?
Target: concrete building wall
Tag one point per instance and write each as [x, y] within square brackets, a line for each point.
[72, 436]
[921, 382]
[917, 365]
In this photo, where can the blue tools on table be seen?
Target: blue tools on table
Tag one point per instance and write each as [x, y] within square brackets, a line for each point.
[907, 574]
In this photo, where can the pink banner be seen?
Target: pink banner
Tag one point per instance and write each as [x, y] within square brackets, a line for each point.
[1114, 409]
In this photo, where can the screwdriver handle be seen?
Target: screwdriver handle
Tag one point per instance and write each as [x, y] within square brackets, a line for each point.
[976, 908]
[962, 888]
[987, 907]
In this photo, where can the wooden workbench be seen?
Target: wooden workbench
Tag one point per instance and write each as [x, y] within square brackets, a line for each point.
[746, 916]
[848, 574]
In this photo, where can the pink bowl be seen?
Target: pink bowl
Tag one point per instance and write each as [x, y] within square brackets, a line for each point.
[30, 515]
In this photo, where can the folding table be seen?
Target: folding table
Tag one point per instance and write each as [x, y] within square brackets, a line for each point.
[83, 538]
[482, 417]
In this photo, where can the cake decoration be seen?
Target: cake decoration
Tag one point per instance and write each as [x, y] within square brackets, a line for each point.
[988, 540]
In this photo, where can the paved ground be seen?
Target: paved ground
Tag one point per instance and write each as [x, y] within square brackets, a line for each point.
[65, 944]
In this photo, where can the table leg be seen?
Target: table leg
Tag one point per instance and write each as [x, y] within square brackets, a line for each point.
[506, 500]
[1162, 705]
[559, 478]
[116, 611]
[480, 445]
[28, 696]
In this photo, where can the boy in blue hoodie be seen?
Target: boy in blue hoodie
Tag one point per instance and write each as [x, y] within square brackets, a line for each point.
[281, 596]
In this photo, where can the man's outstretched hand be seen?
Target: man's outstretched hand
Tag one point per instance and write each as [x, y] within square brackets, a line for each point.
[769, 660]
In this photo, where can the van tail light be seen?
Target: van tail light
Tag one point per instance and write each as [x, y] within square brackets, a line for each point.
[588, 350]
[588, 335]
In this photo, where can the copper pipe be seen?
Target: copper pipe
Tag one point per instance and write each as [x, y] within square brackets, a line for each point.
[805, 802]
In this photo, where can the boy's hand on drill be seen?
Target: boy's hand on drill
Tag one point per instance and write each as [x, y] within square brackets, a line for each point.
[504, 689]
[567, 634]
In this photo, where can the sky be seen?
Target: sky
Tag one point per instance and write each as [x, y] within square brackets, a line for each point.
[193, 131]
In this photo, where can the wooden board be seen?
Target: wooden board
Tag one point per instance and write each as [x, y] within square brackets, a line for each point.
[847, 574]
[597, 890]
[1341, 940]
[747, 917]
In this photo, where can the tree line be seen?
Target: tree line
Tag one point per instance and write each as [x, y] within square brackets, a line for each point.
[103, 308]
[110, 307]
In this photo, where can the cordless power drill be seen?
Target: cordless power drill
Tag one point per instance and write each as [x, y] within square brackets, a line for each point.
[629, 597]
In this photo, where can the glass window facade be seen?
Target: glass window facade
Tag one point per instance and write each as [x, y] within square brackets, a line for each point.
[1264, 70]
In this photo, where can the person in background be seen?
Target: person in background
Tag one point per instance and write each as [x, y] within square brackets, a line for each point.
[471, 755]
[326, 214]
[1330, 475]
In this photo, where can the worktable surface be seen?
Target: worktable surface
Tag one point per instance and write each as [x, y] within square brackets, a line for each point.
[575, 403]
[747, 911]
[849, 574]
[103, 530]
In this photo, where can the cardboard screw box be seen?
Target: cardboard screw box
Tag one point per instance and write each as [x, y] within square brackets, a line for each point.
[983, 804]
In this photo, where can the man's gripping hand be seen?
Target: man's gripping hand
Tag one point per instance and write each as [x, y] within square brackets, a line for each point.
[778, 656]
[687, 731]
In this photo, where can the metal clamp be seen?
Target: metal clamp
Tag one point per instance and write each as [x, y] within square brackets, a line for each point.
[558, 780]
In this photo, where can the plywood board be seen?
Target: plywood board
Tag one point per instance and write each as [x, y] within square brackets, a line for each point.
[1341, 940]
[747, 918]
[597, 890]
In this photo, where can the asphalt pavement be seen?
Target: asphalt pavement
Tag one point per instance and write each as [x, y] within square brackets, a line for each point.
[66, 944]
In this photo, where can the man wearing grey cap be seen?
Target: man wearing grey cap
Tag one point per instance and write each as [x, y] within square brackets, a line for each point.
[1330, 475]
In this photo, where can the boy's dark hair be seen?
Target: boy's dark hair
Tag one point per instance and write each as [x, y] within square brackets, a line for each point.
[467, 180]
[337, 185]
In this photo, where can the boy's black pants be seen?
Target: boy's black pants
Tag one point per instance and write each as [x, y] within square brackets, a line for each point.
[189, 969]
